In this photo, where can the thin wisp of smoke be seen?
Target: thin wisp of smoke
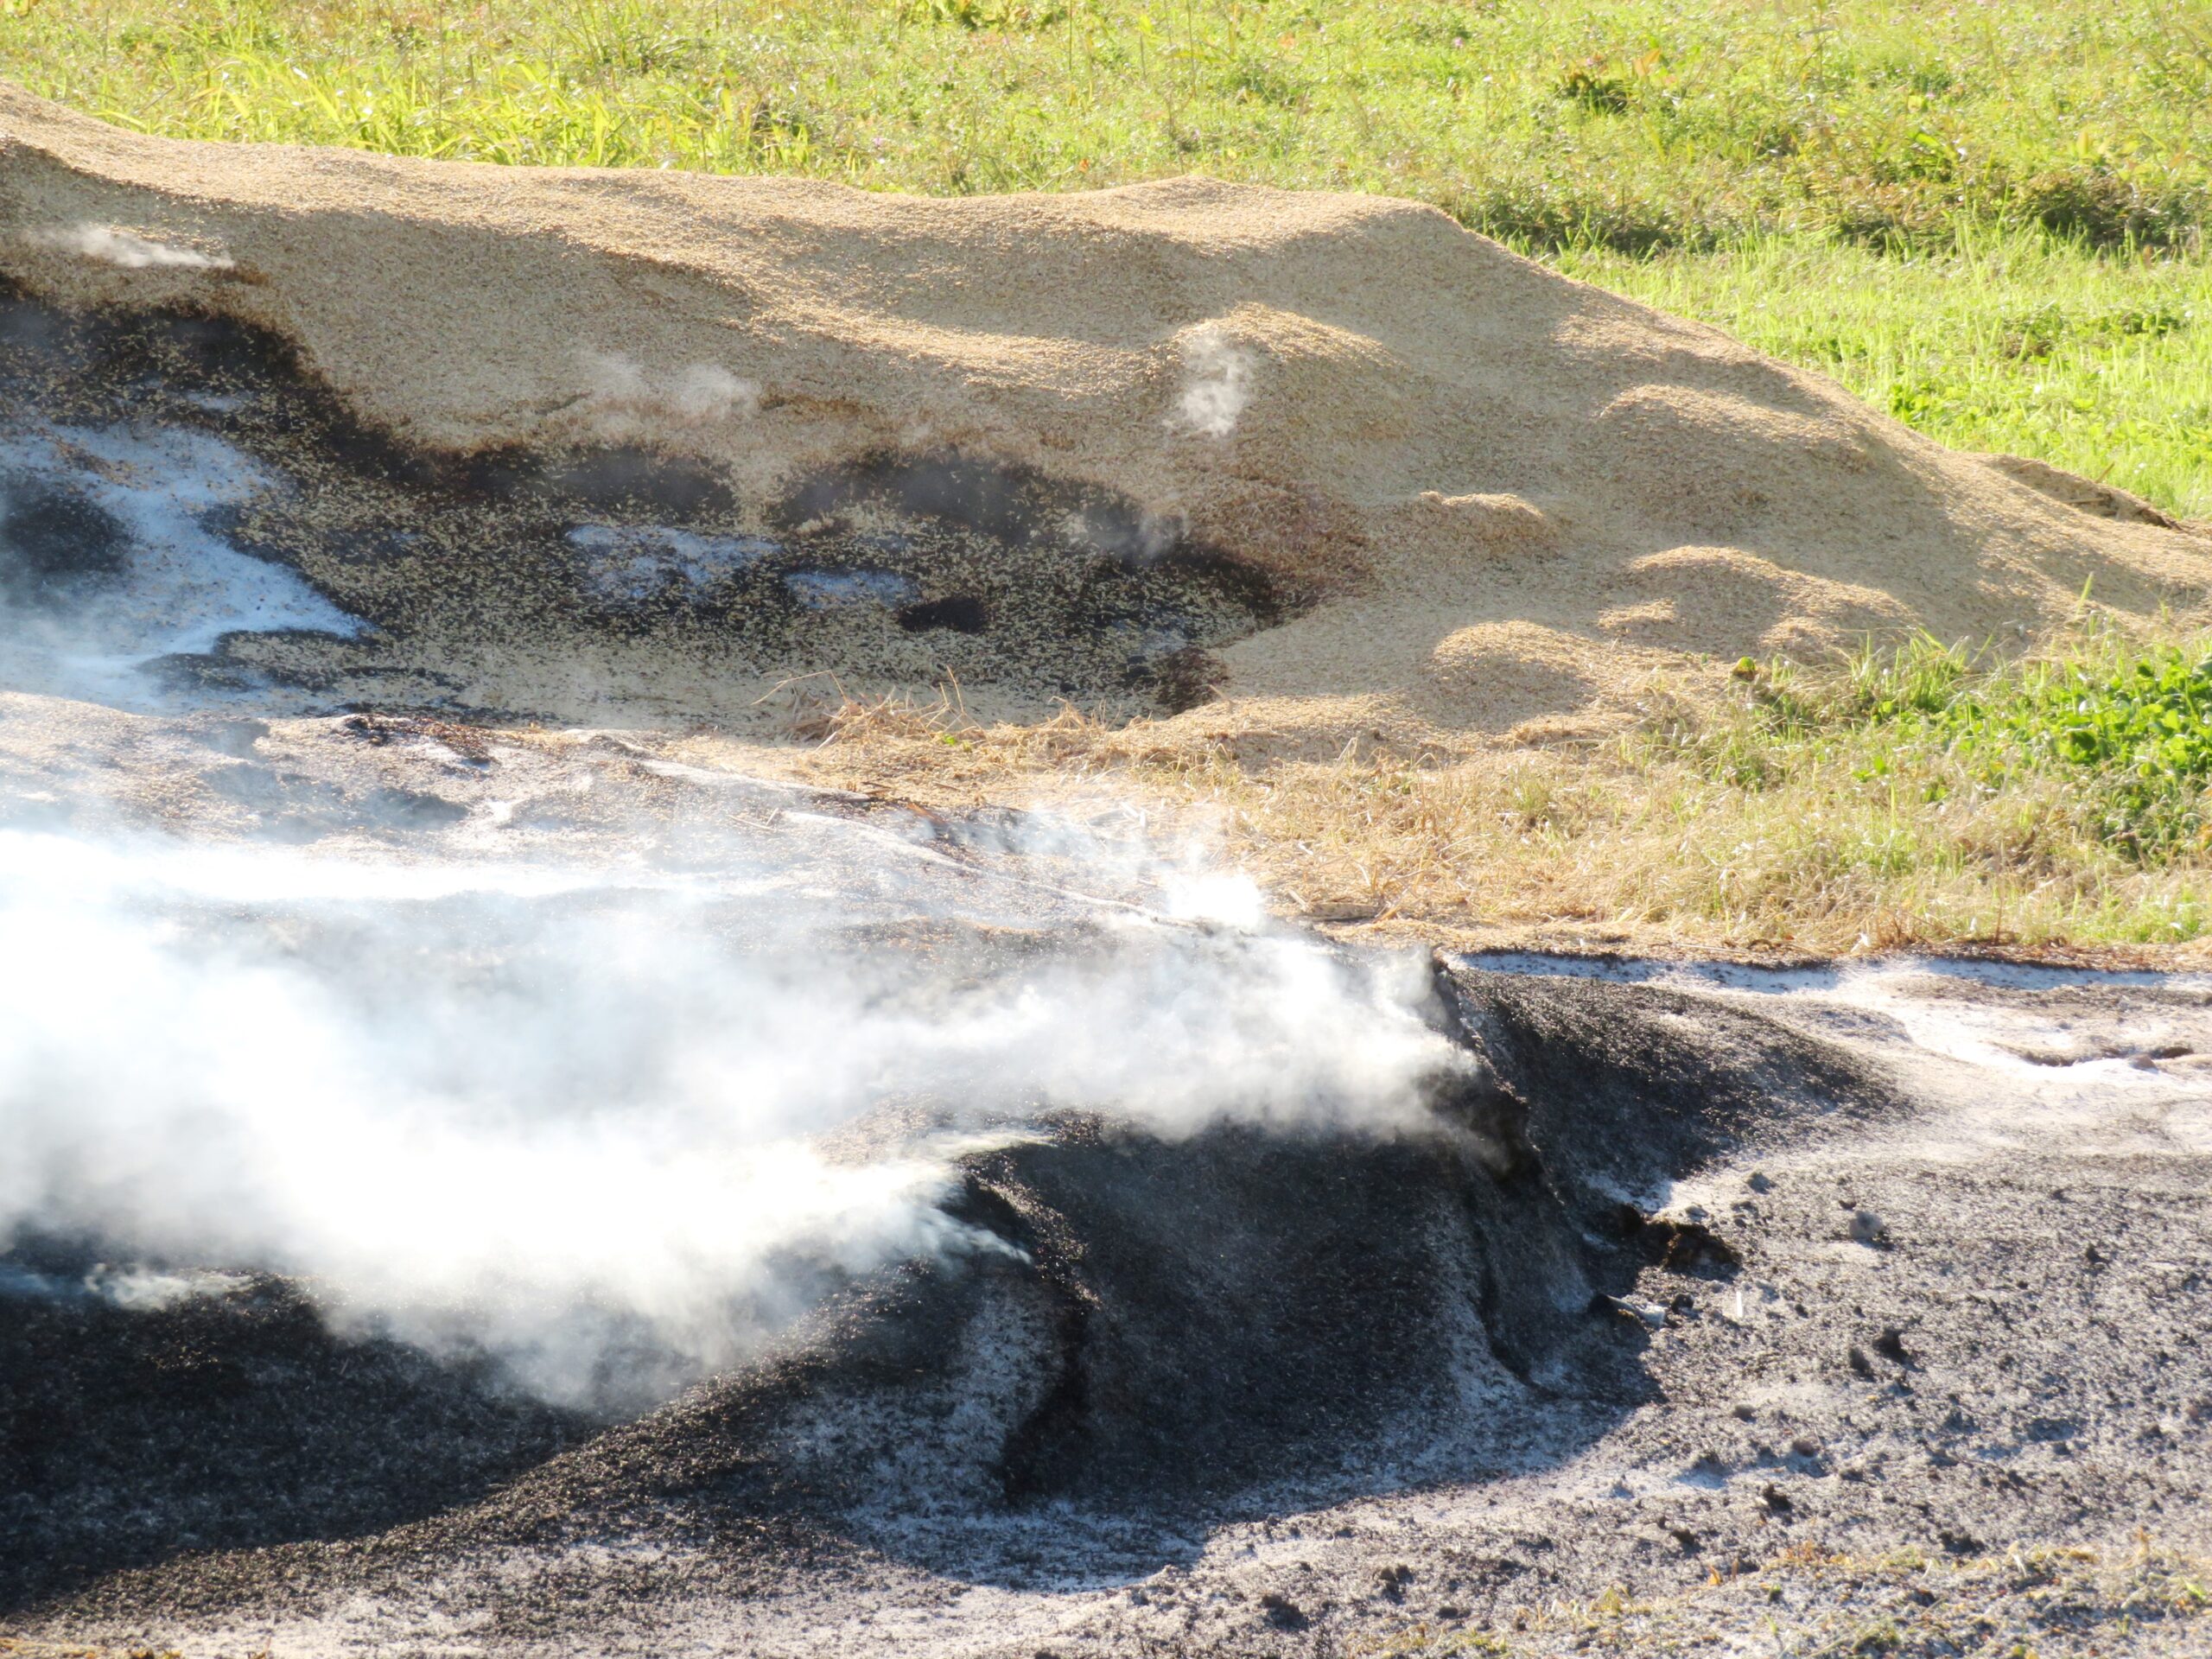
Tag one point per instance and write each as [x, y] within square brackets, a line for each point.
[1217, 382]
[126, 251]
[576, 1119]
[623, 402]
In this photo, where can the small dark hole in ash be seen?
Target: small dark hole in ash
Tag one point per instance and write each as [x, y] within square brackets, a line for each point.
[1690, 1247]
[962, 613]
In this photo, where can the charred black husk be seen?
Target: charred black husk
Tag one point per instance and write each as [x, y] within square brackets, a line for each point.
[1153, 1335]
[572, 579]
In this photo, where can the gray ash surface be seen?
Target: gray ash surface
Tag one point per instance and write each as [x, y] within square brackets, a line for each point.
[1612, 1320]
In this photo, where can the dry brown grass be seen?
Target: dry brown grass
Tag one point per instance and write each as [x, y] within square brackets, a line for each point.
[1649, 839]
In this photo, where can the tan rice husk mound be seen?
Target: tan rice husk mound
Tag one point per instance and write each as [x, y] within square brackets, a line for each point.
[1516, 496]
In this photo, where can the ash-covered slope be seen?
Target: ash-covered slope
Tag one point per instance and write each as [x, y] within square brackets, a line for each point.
[1239, 1310]
[1632, 1320]
[1479, 492]
[1157, 1335]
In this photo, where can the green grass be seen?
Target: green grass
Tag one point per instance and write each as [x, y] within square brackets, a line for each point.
[1632, 125]
[2126, 732]
[2069, 786]
[2003, 341]
[1987, 218]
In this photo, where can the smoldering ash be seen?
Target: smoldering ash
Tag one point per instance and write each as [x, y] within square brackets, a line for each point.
[575, 1119]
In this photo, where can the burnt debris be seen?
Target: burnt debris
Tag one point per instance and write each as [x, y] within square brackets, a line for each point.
[895, 569]
[1169, 1333]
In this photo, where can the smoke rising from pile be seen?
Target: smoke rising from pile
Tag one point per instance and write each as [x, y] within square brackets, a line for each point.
[1217, 382]
[622, 402]
[122, 249]
[575, 1121]
[110, 559]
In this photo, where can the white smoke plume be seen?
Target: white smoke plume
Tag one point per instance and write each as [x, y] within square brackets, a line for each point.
[573, 1118]
[622, 401]
[1217, 382]
[139, 1289]
[125, 249]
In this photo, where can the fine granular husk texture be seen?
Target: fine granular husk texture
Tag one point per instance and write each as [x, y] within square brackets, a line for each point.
[1486, 495]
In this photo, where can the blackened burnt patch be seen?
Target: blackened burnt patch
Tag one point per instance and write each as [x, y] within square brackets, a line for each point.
[656, 486]
[1023, 506]
[52, 539]
[500, 570]
[1181, 679]
[962, 613]
[235, 1421]
[1013, 504]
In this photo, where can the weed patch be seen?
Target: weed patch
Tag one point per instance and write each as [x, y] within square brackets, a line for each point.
[1925, 795]
[2127, 736]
